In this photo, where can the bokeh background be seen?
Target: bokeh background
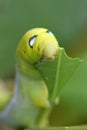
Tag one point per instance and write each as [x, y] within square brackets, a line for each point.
[67, 19]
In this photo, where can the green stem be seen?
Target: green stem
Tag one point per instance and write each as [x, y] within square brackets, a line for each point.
[42, 120]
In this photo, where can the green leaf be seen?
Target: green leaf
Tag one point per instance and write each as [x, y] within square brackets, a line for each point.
[72, 108]
[58, 72]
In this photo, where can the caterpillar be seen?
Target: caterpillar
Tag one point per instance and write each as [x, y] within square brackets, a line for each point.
[30, 91]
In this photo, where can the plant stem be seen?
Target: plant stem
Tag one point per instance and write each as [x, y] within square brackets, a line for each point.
[42, 120]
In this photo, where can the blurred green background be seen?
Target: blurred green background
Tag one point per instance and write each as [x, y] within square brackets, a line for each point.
[67, 19]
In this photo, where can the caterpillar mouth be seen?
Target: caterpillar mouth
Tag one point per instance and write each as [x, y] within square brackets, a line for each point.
[44, 58]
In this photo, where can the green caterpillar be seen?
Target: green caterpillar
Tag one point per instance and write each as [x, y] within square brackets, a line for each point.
[30, 91]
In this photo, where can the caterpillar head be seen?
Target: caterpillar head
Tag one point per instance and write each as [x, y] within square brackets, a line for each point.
[38, 44]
